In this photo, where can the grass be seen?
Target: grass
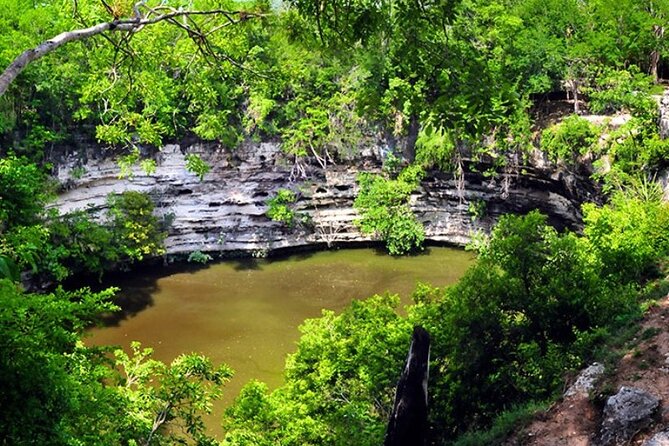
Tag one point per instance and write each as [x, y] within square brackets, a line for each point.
[504, 425]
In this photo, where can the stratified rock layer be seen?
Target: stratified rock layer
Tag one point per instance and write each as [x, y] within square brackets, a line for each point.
[226, 211]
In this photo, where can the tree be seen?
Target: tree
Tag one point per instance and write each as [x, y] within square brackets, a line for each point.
[127, 89]
[167, 401]
[49, 380]
[23, 192]
[142, 15]
[56, 391]
[339, 383]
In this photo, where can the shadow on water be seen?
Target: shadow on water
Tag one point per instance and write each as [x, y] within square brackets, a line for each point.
[381, 251]
[248, 264]
[279, 255]
[132, 299]
[136, 289]
[299, 256]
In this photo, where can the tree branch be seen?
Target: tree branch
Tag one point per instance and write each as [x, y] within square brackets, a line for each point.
[128, 25]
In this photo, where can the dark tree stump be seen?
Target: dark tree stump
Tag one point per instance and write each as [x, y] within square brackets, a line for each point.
[408, 420]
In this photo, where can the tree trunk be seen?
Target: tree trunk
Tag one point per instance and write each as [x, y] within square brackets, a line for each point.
[655, 54]
[408, 420]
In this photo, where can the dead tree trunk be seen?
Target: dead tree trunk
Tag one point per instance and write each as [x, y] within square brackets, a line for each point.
[408, 420]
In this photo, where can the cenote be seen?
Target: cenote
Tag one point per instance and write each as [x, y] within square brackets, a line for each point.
[246, 313]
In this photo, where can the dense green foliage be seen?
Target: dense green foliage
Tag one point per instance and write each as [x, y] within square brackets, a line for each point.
[458, 78]
[133, 225]
[196, 165]
[47, 377]
[22, 192]
[629, 234]
[279, 207]
[616, 90]
[571, 138]
[383, 204]
[54, 246]
[530, 309]
[56, 391]
[320, 76]
[339, 383]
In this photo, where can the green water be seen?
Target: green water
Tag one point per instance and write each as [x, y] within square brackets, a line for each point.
[246, 313]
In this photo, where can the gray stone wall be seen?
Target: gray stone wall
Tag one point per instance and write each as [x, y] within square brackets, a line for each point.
[226, 211]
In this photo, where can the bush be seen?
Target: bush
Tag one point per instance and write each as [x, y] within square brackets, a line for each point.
[617, 90]
[23, 192]
[636, 149]
[629, 234]
[435, 147]
[52, 385]
[279, 207]
[384, 207]
[197, 165]
[339, 384]
[199, 257]
[134, 227]
[571, 138]
[505, 334]
[81, 241]
[78, 243]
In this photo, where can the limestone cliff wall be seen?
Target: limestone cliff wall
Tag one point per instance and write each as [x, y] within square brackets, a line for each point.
[226, 211]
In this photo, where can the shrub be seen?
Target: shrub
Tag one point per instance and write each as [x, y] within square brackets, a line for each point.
[197, 165]
[23, 192]
[78, 243]
[573, 137]
[136, 230]
[199, 257]
[630, 233]
[505, 333]
[339, 384]
[384, 207]
[636, 149]
[279, 207]
[617, 90]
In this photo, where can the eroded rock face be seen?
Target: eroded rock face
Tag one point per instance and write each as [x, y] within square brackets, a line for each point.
[586, 380]
[226, 211]
[664, 115]
[625, 413]
[659, 439]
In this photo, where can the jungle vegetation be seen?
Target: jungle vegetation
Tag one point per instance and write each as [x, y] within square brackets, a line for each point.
[445, 81]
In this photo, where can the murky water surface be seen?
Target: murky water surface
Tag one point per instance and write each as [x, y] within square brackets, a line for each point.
[246, 313]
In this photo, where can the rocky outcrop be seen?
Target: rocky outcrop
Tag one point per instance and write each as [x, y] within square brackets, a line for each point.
[625, 414]
[586, 380]
[226, 211]
[659, 439]
[664, 115]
